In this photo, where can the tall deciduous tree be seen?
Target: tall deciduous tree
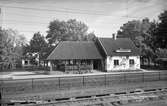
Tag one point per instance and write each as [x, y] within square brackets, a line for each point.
[140, 32]
[72, 30]
[161, 34]
[10, 48]
[36, 48]
[91, 36]
[131, 29]
[37, 43]
[136, 30]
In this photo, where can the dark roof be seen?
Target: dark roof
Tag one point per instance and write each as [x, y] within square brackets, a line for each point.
[110, 46]
[75, 50]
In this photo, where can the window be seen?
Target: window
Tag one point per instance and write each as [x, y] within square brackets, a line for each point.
[26, 62]
[131, 62]
[70, 62]
[123, 50]
[116, 62]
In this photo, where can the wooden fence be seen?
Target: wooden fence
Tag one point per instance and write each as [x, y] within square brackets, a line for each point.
[22, 86]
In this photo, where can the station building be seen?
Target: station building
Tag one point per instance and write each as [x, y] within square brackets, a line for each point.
[104, 54]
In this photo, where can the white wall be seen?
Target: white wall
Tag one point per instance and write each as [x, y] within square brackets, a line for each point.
[24, 62]
[123, 63]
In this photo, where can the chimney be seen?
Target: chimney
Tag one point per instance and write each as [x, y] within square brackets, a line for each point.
[114, 36]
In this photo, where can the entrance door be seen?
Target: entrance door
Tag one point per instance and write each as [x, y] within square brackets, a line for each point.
[97, 64]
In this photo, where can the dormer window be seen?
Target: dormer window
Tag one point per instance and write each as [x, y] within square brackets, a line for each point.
[123, 50]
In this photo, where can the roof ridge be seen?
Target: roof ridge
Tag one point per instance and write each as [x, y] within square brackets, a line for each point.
[54, 49]
[111, 45]
[102, 46]
[75, 50]
[105, 37]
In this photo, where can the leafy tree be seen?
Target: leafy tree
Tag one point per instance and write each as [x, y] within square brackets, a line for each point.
[162, 53]
[140, 32]
[36, 48]
[6, 51]
[150, 36]
[136, 30]
[91, 36]
[161, 34]
[10, 48]
[131, 29]
[71, 30]
[37, 43]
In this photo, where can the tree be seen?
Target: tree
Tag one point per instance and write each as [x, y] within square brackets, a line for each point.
[36, 48]
[71, 30]
[161, 34]
[37, 43]
[10, 48]
[150, 36]
[130, 30]
[140, 32]
[91, 36]
[136, 30]
[6, 49]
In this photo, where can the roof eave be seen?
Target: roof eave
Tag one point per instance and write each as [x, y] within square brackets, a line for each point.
[102, 47]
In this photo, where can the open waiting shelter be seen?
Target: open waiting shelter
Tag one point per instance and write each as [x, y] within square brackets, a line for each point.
[75, 55]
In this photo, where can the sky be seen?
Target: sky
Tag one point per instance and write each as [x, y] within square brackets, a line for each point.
[103, 17]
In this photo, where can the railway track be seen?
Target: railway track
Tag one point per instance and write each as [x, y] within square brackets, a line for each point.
[114, 99]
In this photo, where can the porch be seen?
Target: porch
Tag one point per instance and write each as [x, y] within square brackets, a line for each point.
[76, 66]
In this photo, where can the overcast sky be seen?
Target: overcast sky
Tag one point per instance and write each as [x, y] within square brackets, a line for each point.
[104, 17]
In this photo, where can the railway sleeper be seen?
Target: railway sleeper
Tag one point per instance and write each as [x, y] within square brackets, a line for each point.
[13, 103]
[120, 93]
[62, 99]
[102, 95]
[150, 90]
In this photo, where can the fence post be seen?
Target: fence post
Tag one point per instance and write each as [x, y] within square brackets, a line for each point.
[159, 76]
[105, 80]
[59, 82]
[125, 78]
[1, 88]
[83, 81]
[32, 82]
[143, 77]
